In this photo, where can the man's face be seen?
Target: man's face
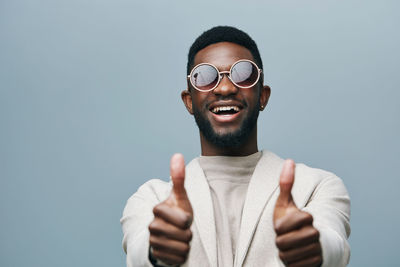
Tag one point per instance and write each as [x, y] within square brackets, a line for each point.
[225, 128]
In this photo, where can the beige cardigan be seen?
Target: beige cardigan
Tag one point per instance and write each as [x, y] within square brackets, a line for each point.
[316, 191]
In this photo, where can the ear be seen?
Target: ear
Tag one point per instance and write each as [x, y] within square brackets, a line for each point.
[187, 100]
[264, 96]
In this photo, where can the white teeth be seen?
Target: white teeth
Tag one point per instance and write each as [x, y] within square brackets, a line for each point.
[225, 108]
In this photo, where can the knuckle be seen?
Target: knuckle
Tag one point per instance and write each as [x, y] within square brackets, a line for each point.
[156, 226]
[308, 216]
[190, 219]
[279, 242]
[186, 249]
[152, 241]
[277, 227]
[157, 209]
[317, 259]
[282, 256]
[318, 247]
[189, 235]
[153, 226]
[314, 232]
[180, 223]
[187, 220]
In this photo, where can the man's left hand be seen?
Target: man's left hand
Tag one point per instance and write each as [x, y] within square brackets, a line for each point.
[297, 239]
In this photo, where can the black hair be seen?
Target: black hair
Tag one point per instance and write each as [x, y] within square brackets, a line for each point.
[223, 34]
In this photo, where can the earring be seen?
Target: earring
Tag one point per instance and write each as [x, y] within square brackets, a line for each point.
[261, 107]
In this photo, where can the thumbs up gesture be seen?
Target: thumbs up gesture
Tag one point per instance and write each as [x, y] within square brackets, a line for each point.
[170, 230]
[297, 239]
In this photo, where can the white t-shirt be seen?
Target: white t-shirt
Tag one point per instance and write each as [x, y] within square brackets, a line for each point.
[228, 178]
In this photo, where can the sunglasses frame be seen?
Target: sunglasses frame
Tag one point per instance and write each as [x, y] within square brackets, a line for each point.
[228, 74]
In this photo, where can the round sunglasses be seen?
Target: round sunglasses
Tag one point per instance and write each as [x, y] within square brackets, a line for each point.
[205, 77]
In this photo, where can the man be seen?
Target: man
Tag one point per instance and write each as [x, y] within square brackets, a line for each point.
[235, 205]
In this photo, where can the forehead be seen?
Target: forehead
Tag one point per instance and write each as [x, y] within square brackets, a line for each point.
[222, 55]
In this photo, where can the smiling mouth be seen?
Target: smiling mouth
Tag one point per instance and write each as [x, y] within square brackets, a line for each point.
[225, 110]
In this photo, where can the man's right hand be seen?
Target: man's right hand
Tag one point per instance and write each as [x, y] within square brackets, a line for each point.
[170, 230]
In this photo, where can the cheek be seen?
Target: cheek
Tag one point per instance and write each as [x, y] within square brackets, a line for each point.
[252, 97]
[199, 100]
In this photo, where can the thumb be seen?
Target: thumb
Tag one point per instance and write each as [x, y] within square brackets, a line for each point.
[285, 199]
[177, 171]
[286, 181]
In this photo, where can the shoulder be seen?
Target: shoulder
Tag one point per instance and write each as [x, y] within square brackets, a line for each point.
[303, 173]
[153, 190]
[148, 195]
[309, 174]
[323, 186]
[310, 182]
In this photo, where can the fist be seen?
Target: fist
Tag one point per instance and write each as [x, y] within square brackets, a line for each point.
[170, 232]
[296, 238]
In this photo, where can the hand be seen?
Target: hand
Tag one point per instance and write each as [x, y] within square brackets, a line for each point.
[297, 239]
[170, 230]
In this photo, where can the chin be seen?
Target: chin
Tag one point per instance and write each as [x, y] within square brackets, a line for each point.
[228, 140]
[225, 137]
[233, 135]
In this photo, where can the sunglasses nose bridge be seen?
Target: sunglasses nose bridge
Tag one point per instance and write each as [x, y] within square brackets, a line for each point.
[225, 87]
[227, 74]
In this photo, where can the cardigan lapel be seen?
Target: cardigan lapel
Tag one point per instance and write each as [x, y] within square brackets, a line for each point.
[264, 182]
[203, 212]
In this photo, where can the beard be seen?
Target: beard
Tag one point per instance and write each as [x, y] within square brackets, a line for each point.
[231, 139]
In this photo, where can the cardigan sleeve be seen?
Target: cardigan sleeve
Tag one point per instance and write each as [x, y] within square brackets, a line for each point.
[330, 207]
[137, 215]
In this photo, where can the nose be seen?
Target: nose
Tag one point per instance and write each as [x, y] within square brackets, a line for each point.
[225, 86]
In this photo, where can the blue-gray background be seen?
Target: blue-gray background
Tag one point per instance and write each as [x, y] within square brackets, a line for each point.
[90, 109]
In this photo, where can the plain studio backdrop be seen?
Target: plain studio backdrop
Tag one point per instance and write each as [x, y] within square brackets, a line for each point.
[90, 109]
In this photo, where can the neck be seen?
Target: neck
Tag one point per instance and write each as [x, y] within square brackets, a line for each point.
[248, 147]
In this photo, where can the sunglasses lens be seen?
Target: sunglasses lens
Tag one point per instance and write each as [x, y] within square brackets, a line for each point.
[244, 74]
[204, 77]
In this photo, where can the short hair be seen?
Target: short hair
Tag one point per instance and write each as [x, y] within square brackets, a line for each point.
[223, 34]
